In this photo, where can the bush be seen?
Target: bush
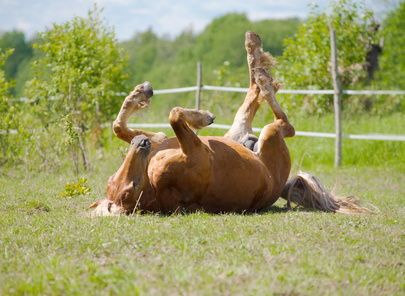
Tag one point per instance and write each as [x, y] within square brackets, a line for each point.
[305, 63]
[77, 79]
[10, 128]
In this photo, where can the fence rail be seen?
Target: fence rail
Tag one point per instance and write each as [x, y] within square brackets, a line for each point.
[373, 137]
[304, 91]
[244, 90]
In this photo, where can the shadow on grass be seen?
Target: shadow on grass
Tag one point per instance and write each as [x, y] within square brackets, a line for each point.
[277, 209]
[273, 209]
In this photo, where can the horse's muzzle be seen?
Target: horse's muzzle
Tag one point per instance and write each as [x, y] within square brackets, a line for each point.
[141, 142]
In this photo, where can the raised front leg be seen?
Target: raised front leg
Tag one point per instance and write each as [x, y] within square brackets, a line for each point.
[138, 99]
[182, 120]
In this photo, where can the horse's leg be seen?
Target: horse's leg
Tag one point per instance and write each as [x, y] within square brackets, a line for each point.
[182, 120]
[268, 88]
[138, 99]
[273, 152]
[241, 129]
[271, 147]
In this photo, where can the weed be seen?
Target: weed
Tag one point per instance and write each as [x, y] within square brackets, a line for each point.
[76, 189]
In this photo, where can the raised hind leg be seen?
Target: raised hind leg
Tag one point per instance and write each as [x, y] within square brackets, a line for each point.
[138, 99]
[268, 88]
[241, 129]
[271, 147]
[273, 152]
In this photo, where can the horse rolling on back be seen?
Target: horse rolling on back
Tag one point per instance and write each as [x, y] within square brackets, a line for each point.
[235, 173]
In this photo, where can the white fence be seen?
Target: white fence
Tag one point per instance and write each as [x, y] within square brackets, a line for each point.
[281, 91]
[380, 137]
[336, 136]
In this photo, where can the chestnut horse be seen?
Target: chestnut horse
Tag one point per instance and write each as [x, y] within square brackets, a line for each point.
[238, 172]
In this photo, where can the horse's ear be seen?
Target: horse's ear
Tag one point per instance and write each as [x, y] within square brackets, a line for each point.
[94, 205]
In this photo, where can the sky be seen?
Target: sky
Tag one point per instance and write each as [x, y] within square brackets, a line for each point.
[163, 16]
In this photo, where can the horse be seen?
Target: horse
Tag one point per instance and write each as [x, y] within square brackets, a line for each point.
[238, 172]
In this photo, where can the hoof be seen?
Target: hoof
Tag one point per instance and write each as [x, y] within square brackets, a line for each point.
[139, 98]
[201, 118]
[147, 89]
[211, 120]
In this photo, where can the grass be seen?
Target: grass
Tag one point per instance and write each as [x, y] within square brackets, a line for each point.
[48, 246]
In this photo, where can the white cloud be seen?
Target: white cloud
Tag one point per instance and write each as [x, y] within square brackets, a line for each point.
[23, 25]
[142, 10]
[120, 2]
[261, 15]
[7, 2]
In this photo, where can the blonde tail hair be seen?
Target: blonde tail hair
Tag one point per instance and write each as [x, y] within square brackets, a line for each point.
[307, 191]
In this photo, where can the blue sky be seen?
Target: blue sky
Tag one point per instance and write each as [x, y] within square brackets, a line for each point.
[164, 16]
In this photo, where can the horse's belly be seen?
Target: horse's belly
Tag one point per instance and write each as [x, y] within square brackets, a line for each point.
[244, 185]
[228, 178]
[178, 181]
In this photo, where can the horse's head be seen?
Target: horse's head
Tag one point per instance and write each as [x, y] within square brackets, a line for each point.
[125, 187]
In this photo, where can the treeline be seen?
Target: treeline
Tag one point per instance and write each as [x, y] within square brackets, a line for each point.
[167, 62]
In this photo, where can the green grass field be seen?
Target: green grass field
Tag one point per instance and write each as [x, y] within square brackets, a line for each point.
[48, 246]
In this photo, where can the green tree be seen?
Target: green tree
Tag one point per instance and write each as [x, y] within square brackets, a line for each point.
[305, 63]
[273, 33]
[392, 61]
[169, 62]
[222, 40]
[142, 50]
[77, 77]
[9, 123]
[22, 52]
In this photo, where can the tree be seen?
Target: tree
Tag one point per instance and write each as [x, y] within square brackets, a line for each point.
[171, 62]
[305, 63]
[22, 52]
[392, 61]
[81, 69]
[9, 122]
[142, 50]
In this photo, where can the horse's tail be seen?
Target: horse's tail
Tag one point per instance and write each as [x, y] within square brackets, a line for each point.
[307, 191]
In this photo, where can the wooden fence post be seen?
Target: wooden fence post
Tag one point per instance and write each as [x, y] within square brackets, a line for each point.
[336, 97]
[199, 86]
